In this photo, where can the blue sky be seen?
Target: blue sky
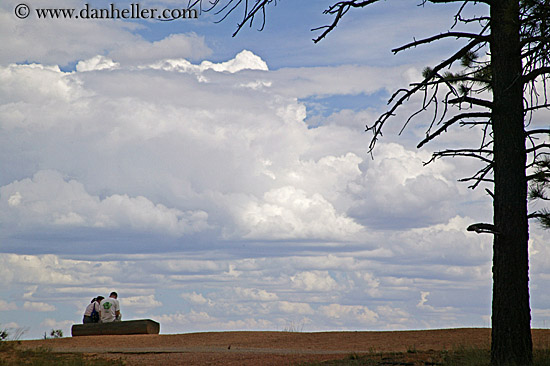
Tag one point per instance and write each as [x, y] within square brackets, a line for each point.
[223, 183]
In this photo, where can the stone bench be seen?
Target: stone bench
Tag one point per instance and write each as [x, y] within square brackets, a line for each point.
[142, 326]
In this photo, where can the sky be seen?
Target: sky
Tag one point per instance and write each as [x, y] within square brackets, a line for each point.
[224, 183]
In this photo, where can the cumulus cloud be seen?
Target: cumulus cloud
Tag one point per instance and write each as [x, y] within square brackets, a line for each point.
[141, 304]
[402, 191]
[255, 294]
[53, 324]
[202, 321]
[15, 199]
[96, 63]
[314, 281]
[33, 85]
[6, 306]
[439, 240]
[174, 46]
[423, 299]
[251, 213]
[119, 40]
[195, 298]
[289, 213]
[265, 179]
[267, 293]
[28, 269]
[38, 306]
[339, 80]
[295, 308]
[32, 42]
[10, 325]
[47, 199]
[339, 312]
[244, 60]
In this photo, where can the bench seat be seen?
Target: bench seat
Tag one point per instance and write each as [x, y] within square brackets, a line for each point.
[141, 326]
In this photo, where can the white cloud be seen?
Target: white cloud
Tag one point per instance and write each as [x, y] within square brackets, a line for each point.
[96, 63]
[201, 321]
[38, 306]
[245, 60]
[53, 324]
[6, 306]
[58, 41]
[10, 325]
[263, 173]
[31, 290]
[402, 191]
[140, 304]
[26, 86]
[192, 320]
[449, 242]
[361, 314]
[337, 80]
[15, 199]
[294, 307]
[288, 212]
[423, 299]
[205, 192]
[395, 318]
[195, 298]
[48, 199]
[173, 46]
[369, 282]
[314, 281]
[61, 41]
[28, 269]
[255, 294]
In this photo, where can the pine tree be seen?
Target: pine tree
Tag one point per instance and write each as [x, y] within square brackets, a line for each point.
[499, 93]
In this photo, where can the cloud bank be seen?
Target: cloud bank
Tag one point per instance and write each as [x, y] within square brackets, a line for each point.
[218, 195]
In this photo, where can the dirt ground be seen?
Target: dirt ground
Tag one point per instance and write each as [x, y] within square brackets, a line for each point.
[268, 348]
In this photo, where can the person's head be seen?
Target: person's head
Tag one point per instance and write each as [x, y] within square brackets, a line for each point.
[114, 295]
[94, 299]
[99, 298]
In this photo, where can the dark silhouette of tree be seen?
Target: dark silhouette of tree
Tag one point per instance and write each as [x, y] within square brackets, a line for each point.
[499, 94]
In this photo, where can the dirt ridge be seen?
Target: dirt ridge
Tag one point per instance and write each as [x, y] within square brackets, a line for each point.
[268, 348]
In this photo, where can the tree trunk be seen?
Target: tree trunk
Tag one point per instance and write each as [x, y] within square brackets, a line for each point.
[511, 314]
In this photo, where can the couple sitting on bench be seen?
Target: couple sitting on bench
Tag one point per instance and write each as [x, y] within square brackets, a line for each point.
[103, 310]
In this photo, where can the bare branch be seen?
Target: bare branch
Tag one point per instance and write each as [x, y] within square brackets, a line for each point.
[456, 1]
[482, 227]
[478, 37]
[471, 153]
[340, 9]
[471, 100]
[535, 73]
[479, 177]
[537, 147]
[534, 108]
[378, 124]
[450, 122]
[538, 131]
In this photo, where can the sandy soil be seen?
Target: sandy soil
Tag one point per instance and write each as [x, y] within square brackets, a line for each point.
[269, 348]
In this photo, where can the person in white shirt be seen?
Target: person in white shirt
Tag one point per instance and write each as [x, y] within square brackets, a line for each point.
[91, 314]
[109, 309]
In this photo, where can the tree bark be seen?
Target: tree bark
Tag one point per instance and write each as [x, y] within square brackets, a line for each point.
[511, 342]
